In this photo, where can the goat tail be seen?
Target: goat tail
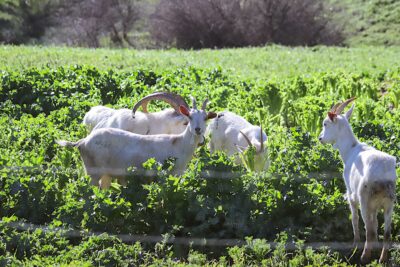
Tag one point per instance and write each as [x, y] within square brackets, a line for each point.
[68, 143]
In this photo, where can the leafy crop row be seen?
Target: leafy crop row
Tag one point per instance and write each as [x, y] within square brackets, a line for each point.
[300, 195]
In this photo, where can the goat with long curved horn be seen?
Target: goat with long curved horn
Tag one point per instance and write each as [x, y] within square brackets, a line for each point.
[173, 99]
[167, 121]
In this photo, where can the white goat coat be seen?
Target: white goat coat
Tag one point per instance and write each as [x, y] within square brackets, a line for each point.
[167, 121]
[225, 133]
[97, 114]
[366, 167]
[110, 152]
[370, 178]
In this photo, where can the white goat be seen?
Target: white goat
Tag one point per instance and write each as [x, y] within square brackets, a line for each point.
[168, 121]
[231, 133]
[97, 114]
[108, 152]
[369, 175]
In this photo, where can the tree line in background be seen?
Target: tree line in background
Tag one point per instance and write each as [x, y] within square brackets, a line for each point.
[168, 23]
[70, 22]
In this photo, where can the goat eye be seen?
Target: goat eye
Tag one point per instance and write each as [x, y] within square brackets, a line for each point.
[324, 124]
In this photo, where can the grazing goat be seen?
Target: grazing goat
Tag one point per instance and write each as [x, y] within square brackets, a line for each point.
[97, 114]
[369, 175]
[168, 121]
[108, 152]
[231, 133]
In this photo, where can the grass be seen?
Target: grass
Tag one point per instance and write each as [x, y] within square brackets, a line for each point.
[254, 63]
[369, 22]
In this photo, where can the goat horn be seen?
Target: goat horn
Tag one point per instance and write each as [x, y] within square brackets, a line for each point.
[173, 99]
[261, 139]
[334, 107]
[203, 107]
[343, 105]
[246, 138]
[193, 102]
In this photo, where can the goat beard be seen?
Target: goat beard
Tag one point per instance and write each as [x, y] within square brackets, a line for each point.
[202, 142]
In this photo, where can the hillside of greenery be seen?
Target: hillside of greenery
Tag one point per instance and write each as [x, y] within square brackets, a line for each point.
[369, 22]
[218, 213]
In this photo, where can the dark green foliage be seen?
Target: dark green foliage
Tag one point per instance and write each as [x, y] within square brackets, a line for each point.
[25, 21]
[301, 194]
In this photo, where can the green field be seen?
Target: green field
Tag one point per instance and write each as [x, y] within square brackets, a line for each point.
[51, 215]
[248, 63]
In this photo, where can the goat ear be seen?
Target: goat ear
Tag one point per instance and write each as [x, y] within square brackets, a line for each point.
[184, 111]
[332, 116]
[349, 112]
[211, 115]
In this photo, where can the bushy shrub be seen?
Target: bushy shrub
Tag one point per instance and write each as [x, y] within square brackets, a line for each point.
[235, 23]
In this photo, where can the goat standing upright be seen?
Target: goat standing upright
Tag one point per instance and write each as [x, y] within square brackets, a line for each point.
[109, 152]
[369, 175]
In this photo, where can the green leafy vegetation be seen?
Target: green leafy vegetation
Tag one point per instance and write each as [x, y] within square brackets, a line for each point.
[52, 215]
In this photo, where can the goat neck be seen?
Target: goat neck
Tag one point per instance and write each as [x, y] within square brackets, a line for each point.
[346, 141]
